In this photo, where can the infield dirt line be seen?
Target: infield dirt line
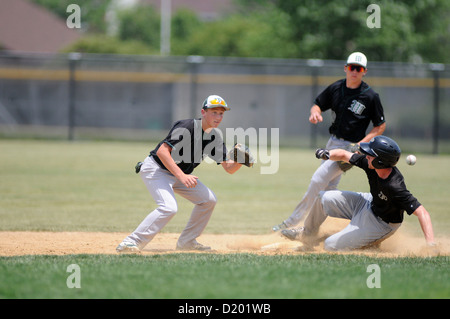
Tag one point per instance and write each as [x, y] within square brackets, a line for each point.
[17, 243]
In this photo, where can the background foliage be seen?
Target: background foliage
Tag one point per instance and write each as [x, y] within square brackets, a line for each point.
[411, 30]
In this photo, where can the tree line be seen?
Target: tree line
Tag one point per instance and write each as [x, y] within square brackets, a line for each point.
[387, 30]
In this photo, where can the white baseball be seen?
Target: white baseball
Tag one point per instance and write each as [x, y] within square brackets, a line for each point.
[411, 159]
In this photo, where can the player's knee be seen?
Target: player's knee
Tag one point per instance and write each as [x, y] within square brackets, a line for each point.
[168, 209]
[329, 245]
[326, 196]
[212, 200]
[335, 243]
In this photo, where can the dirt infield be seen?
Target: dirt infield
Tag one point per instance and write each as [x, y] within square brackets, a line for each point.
[16, 243]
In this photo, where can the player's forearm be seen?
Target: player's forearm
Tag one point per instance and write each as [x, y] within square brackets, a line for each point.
[340, 155]
[425, 224]
[377, 130]
[315, 114]
[166, 158]
[333, 155]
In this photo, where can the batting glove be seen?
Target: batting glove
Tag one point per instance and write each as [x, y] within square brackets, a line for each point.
[322, 154]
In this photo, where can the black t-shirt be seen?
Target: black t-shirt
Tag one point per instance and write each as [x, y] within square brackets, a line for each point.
[353, 109]
[390, 196]
[190, 145]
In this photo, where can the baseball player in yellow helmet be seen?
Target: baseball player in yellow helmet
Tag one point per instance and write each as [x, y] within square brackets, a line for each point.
[168, 170]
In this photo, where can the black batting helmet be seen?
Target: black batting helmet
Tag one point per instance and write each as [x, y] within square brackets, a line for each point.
[385, 150]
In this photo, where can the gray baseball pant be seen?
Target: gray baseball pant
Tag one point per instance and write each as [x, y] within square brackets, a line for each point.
[162, 185]
[326, 177]
[364, 228]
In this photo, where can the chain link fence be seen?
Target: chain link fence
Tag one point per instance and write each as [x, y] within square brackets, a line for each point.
[88, 96]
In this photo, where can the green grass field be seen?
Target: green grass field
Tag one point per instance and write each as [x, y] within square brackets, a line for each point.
[229, 276]
[91, 186]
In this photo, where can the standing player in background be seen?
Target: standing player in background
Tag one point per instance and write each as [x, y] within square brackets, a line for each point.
[354, 105]
[168, 171]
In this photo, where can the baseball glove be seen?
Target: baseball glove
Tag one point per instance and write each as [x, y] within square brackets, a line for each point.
[241, 154]
[344, 166]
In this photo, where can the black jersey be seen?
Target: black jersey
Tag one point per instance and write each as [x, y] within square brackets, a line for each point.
[353, 109]
[390, 196]
[190, 145]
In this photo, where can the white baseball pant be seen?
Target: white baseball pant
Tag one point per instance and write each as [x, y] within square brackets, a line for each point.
[326, 177]
[365, 227]
[162, 185]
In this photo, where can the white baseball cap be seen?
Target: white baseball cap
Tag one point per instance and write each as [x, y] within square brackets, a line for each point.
[213, 101]
[357, 58]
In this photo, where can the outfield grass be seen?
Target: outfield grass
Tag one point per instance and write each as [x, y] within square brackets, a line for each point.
[91, 186]
[230, 276]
